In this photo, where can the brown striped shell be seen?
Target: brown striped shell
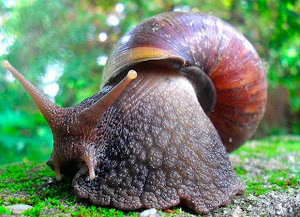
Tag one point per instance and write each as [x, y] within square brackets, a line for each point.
[223, 53]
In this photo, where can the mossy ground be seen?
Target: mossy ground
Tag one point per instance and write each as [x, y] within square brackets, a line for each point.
[265, 165]
[271, 164]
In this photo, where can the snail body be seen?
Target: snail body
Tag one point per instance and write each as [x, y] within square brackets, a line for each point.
[152, 140]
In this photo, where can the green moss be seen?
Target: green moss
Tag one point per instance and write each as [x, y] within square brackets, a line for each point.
[38, 187]
[269, 147]
[240, 170]
[268, 181]
[263, 151]
[284, 179]
[256, 188]
[4, 211]
[36, 210]
[259, 186]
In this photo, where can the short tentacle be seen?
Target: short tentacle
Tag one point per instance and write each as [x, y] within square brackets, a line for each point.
[89, 159]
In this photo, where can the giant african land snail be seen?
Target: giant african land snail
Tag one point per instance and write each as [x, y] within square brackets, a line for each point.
[156, 140]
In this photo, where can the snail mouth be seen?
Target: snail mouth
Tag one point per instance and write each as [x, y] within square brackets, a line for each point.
[67, 168]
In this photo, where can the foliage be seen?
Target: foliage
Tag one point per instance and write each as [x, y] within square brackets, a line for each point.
[24, 137]
[34, 183]
[63, 36]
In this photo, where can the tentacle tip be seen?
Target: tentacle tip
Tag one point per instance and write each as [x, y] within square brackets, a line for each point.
[92, 175]
[5, 64]
[88, 159]
[91, 171]
[132, 74]
[58, 177]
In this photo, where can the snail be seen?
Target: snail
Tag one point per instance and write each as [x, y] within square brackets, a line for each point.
[179, 91]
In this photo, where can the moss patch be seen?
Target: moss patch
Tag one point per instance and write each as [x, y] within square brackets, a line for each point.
[34, 184]
[270, 147]
[265, 165]
[269, 165]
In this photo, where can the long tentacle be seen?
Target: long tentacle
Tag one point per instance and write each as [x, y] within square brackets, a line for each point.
[50, 111]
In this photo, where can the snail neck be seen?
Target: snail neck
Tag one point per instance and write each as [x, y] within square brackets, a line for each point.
[203, 86]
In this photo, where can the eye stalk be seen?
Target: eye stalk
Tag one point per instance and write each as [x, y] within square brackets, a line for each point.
[99, 107]
[51, 112]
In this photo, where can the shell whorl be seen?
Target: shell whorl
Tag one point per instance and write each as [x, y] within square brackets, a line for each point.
[194, 39]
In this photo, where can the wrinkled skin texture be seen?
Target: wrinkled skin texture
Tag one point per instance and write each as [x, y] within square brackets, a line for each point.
[156, 148]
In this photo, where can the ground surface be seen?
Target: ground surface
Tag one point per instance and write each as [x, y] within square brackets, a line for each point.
[269, 168]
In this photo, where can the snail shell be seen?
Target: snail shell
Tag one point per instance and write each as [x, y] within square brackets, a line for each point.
[225, 55]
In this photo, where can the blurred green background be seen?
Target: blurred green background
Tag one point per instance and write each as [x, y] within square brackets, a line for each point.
[62, 46]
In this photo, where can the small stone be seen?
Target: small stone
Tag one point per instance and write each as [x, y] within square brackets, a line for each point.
[236, 201]
[284, 210]
[266, 202]
[252, 197]
[249, 208]
[149, 213]
[274, 196]
[237, 212]
[298, 198]
[279, 206]
[279, 210]
[18, 208]
[226, 212]
[291, 159]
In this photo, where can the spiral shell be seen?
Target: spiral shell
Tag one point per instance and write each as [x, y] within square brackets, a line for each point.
[224, 54]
